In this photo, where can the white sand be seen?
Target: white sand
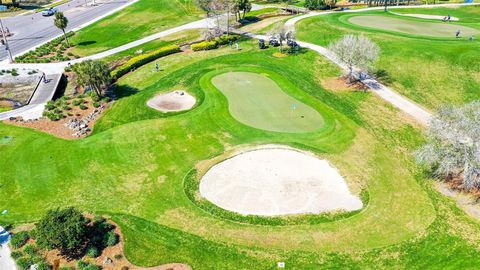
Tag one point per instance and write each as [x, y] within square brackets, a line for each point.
[277, 181]
[172, 102]
[427, 16]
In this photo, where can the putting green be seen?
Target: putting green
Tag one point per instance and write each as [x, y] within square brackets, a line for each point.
[415, 27]
[258, 101]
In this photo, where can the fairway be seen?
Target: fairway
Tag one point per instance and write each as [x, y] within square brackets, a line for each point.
[258, 101]
[413, 27]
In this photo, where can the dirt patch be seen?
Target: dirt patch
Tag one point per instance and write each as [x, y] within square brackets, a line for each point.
[339, 84]
[279, 55]
[175, 101]
[59, 128]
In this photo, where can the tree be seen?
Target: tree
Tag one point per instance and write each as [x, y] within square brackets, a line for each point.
[92, 73]
[206, 6]
[282, 33]
[453, 148]
[65, 230]
[244, 6]
[355, 52]
[61, 23]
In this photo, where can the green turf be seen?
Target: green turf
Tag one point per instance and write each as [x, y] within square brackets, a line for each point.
[133, 168]
[423, 28]
[256, 99]
[139, 20]
[428, 70]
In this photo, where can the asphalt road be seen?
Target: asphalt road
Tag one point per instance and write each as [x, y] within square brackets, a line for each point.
[30, 30]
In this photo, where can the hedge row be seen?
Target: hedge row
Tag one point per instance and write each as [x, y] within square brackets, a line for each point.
[140, 60]
[210, 45]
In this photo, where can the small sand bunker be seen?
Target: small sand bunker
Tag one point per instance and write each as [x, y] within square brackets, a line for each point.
[172, 102]
[277, 181]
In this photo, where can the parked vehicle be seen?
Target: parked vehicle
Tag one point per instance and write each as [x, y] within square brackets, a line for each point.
[49, 11]
[274, 42]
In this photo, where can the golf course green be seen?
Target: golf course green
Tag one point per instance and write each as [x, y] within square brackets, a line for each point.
[414, 27]
[258, 101]
[140, 167]
[419, 58]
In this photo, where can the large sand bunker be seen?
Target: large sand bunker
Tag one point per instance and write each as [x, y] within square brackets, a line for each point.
[277, 181]
[172, 102]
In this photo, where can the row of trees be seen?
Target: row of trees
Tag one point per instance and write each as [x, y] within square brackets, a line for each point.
[320, 4]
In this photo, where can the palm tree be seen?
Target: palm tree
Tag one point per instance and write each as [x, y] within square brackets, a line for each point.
[61, 23]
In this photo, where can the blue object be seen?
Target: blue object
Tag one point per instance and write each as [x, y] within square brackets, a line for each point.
[468, 1]
[3, 8]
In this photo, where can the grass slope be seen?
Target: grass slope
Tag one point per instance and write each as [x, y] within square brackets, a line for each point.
[139, 20]
[133, 167]
[430, 71]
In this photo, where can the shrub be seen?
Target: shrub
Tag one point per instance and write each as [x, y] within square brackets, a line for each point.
[32, 234]
[57, 110]
[19, 239]
[223, 40]
[124, 268]
[50, 105]
[66, 268]
[83, 107]
[111, 239]
[141, 60]
[96, 104]
[81, 265]
[93, 252]
[69, 235]
[76, 102]
[118, 256]
[17, 254]
[30, 249]
[66, 108]
[43, 266]
[23, 263]
[203, 46]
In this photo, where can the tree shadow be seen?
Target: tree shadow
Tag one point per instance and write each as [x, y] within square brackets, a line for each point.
[383, 76]
[86, 43]
[122, 91]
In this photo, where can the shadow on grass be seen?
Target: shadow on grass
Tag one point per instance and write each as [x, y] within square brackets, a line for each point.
[122, 91]
[86, 43]
[383, 76]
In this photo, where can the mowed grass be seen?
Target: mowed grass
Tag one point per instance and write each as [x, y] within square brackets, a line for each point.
[429, 70]
[132, 168]
[256, 99]
[408, 26]
[139, 20]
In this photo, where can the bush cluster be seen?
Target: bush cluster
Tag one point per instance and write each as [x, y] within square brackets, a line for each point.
[210, 45]
[204, 46]
[315, 4]
[49, 52]
[29, 256]
[142, 59]
[56, 110]
[19, 239]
